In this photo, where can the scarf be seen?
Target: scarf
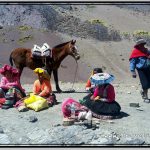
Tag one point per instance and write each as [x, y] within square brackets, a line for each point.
[137, 53]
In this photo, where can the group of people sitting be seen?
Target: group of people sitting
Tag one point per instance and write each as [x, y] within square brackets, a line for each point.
[11, 90]
[100, 101]
[100, 98]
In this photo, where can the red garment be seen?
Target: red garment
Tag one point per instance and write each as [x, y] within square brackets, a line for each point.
[137, 53]
[66, 110]
[88, 84]
[2, 100]
[99, 91]
[42, 89]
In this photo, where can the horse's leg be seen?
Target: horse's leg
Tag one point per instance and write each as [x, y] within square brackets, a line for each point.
[55, 74]
[20, 69]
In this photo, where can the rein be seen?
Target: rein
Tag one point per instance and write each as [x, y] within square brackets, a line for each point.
[75, 74]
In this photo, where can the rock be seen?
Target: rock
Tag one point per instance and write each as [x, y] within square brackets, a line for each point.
[56, 125]
[101, 141]
[37, 135]
[4, 139]
[32, 119]
[128, 92]
[68, 122]
[134, 105]
[139, 109]
[134, 142]
[24, 140]
[1, 130]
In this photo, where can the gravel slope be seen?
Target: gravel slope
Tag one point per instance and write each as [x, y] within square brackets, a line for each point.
[20, 130]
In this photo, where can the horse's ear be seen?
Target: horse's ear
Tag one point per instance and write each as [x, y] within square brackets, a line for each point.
[73, 41]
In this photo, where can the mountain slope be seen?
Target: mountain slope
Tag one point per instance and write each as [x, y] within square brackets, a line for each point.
[98, 30]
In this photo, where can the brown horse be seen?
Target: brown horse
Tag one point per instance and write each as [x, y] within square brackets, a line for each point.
[22, 58]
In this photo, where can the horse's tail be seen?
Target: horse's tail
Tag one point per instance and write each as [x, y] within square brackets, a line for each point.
[11, 60]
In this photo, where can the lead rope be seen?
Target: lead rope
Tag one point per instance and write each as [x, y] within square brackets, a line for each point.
[75, 75]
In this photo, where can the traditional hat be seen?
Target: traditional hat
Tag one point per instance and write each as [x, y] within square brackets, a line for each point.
[8, 68]
[43, 72]
[101, 78]
[140, 41]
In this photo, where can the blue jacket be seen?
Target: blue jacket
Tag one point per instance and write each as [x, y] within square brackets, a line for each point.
[137, 63]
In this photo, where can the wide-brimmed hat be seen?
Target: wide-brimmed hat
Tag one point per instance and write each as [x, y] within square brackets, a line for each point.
[101, 78]
[43, 72]
[140, 41]
[6, 67]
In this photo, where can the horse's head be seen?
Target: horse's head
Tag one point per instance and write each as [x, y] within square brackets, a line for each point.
[73, 50]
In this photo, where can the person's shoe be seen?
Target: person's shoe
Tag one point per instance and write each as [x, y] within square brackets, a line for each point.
[142, 94]
[146, 100]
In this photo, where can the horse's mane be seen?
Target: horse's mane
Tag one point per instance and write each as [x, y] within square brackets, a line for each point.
[60, 45]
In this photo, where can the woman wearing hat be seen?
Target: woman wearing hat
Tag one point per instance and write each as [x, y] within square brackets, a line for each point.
[138, 58]
[102, 102]
[89, 86]
[42, 86]
[10, 80]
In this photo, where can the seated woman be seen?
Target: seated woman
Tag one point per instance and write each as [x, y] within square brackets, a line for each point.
[42, 86]
[10, 83]
[102, 102]
[89, 86]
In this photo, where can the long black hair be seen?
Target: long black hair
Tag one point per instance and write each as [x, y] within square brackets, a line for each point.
[98, 70]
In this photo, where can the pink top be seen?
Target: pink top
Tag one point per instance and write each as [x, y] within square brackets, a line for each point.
[6, 84]
[99, 91]
[67, 103]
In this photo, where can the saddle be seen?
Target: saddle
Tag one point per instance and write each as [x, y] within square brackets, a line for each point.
[41, 52]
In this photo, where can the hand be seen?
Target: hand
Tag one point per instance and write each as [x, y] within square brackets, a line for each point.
[133, 74]
[87, 88]
[97, 98]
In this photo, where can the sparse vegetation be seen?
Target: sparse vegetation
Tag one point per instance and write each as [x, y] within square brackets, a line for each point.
[126, 35]
[98, 21]
[25, 39]
[24, 28]
[141, 33]
[44, 30]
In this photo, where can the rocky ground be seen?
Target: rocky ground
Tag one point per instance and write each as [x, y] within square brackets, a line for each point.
[48, 128]
[99, 45]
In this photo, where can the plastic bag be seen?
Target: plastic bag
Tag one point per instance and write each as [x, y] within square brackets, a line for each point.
[33, 98]
[36, 102]
[38, 105]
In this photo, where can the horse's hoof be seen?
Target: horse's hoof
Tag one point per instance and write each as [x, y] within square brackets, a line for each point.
[59, 90]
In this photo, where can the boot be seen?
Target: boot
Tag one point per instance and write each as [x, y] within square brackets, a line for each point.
[145, 96]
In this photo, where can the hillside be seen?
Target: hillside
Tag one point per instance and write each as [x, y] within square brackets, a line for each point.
[105, 34]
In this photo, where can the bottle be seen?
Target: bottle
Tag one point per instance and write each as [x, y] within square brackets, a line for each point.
[73, 111]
